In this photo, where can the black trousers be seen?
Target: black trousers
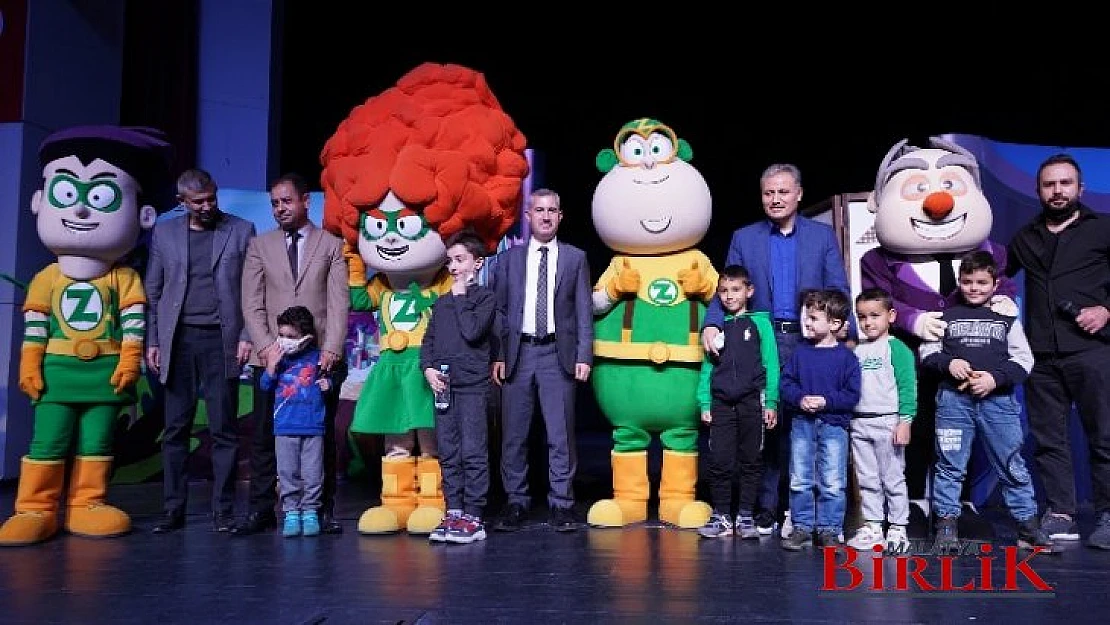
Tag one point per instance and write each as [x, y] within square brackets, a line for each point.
[735, 438]
[1055, 383]
[263, 462]
[462, 436]
[197, 364]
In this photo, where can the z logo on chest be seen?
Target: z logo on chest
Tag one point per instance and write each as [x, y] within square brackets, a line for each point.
[82, 306]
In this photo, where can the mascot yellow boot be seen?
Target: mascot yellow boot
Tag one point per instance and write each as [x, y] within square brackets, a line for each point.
[36, 503]
[631, 490]
[430, 505]
[677, 505]
[398, 498]
[88, 515]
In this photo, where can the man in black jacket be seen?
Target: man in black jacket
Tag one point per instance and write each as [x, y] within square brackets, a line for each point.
[1065, 252]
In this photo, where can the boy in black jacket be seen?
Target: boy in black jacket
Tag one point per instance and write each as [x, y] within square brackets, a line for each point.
[738, 395]
[984, 356]
[458, 335]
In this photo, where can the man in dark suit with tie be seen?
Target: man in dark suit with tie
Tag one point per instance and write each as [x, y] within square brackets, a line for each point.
[546, 346]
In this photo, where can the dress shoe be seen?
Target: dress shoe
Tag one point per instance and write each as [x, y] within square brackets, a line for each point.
[223, 522]
[562, 520]
[171, 522]
[328, 525]
[512, 519]
[255, 522]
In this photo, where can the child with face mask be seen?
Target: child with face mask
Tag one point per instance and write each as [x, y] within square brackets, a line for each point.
[292, 367]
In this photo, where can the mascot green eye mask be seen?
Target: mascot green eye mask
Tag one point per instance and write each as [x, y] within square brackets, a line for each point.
[643, 142]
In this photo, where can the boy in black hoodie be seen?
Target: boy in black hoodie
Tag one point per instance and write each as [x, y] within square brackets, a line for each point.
[738, 394]
[458, 335]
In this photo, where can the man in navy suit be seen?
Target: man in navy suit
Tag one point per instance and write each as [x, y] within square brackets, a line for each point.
[545, 347]
[786, 254]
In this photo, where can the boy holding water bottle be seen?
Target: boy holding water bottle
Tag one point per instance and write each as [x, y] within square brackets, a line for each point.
[459, 337]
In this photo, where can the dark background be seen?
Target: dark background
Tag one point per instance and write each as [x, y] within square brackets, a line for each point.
[829, 93]
[832, 112]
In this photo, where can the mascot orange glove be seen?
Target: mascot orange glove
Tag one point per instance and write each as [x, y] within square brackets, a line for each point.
[694, 282]
[356, 268]
[129, 367]
[30, 370]
[627, 281]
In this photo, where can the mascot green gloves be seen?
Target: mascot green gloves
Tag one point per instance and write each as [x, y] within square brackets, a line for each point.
[84, 324]
[651, 208]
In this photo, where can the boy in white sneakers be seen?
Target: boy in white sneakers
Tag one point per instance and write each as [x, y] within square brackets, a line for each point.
[880, 428]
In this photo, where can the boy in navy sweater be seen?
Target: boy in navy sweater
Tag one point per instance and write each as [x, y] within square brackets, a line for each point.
[738, 393]
[292, 365]
[984, 356]
[821, 384]
[459, 335]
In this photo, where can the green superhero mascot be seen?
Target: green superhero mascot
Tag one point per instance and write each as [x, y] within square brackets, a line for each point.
[84, 324]
[651, 207]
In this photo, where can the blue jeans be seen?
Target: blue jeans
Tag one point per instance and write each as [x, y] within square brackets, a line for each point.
[818, 458]
[997, 420]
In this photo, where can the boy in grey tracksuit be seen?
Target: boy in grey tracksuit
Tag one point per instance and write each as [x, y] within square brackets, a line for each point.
[881, 425]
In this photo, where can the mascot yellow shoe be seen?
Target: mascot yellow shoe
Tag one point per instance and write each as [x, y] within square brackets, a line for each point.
[88, 515]
[430, 504]
[398, 498]
[630, 493]
[677, 505]
[36, 503]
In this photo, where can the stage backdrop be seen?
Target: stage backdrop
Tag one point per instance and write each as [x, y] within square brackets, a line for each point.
[1009, 174]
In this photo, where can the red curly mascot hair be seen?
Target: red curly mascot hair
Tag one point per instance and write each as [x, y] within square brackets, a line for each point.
[441, 142]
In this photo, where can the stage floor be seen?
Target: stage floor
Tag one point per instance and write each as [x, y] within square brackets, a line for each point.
[642, 574]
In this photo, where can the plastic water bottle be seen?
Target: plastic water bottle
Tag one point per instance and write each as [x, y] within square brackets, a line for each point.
[443, 398]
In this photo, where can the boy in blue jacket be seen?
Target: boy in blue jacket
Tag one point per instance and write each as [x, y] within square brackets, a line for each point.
[821, 385]
[292, 366]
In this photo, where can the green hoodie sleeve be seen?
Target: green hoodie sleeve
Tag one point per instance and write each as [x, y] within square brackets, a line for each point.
[905, 377]
[705, 398]
[769, 349]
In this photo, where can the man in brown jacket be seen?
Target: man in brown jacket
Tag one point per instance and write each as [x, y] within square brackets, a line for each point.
[295, 264]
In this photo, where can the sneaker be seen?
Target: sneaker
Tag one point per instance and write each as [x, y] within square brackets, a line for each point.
[466, 529]
[829, 539]
[292, 526]
[746, 528]
[765, 522]
[310, 523]
[787, 526]
[1059, 526]
[1030, 534]
[439, 534]
[718, 526]
[798, 540]
[867, 537]
[1100, 538]
[897, 541]
[947, 534]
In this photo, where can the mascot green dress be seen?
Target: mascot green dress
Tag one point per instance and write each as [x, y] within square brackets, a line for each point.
[407, 169]
[84, 324]
[651, 208]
